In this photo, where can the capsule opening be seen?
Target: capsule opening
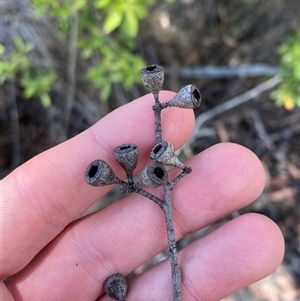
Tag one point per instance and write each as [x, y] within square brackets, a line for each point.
[157, 148]
[151, 68]
[159, 172]
[128, 146]
[93, 171]
[196, 94]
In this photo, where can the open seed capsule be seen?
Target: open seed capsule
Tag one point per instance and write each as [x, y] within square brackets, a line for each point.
[189, 97]
[116, 287]
[99, 173]
[153, 78]
[153, 175]
[163, 152]
[127, 155]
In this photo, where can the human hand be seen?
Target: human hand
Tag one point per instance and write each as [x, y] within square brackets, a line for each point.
[49, 254]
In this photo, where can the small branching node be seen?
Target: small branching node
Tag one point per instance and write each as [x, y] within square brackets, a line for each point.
[155, 174]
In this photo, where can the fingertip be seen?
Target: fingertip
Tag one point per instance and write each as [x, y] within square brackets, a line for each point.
[243, 251]
[243, 166]
[256, 245]
[226, 177]
[5, 294]
[268, 242]
[237, 254]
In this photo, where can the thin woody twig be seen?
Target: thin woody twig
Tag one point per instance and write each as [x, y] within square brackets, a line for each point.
[150, 196]
[175, 270]
[185, 172]
[166, 206]
[14, 125]
[254, 70]
[167, 209]
[72, 55]
[157, 108]
[261, 130]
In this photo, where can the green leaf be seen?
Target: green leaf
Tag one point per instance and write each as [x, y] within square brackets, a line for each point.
[86, 53]
[141, 8]
[8, 69]
[131, 24]
[35, 84]
[29, 91]
[112, 21]
[102, 3]
[46, 100]
[2, 49]
[40, 11]
[19, 44]
[28, 47]
[4, 74]
[105, 91]
[78, 4]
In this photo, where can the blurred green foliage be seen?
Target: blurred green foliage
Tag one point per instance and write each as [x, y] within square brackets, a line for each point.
[34, 81]
[106, 29]
[288, 93]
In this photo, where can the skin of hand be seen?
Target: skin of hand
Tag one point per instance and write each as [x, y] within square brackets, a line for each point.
[48, 253]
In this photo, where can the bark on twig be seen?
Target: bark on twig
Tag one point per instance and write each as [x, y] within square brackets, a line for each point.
[14, 125]
[224, 71]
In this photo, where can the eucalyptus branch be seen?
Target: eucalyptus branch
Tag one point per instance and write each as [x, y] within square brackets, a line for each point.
[151, 197]
[176, 273]
[185, 172]
[99, 173]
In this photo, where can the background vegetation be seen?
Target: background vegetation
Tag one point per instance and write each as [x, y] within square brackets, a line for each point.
[65, 64]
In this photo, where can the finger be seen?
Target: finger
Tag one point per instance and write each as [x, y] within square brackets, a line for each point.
[45, 194]
[239, 253]
[5, 294]
[126, 234]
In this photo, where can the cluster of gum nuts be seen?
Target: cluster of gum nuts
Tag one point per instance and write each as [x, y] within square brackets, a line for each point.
[155, 174]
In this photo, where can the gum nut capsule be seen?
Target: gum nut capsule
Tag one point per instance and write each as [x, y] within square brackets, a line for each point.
[99, 173]
[153, 175]
[116, 287]
[153, 77]
[189, 97]
[127, 155]
[163, 152]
